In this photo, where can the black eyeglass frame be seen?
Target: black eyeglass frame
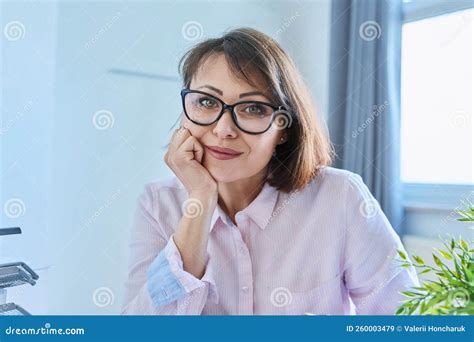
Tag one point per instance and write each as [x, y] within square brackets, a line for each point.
[225, 106]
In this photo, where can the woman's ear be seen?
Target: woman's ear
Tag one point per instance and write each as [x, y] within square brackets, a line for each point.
[283, 139]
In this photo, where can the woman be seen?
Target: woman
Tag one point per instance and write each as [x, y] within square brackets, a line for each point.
[255, 220]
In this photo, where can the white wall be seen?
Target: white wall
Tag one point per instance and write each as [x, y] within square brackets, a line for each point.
[28, 49]
[84, 180]
[306, 29]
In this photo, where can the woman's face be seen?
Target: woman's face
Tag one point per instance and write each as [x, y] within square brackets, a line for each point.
[215, 77]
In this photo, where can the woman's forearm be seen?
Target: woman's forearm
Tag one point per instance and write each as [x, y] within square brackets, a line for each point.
[192, 235]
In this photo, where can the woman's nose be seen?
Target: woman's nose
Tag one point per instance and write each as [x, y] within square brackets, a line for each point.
[225, 127]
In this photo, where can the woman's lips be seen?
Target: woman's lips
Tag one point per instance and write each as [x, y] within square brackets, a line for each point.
[222, 153]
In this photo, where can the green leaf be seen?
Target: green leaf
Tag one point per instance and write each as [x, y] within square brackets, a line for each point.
[433, 286]
[418, 259]
[437, 260]
[445, 254]
[402, 254]
[436, 286]
[419, 288]
[435, 300]
[469, 274]
[462, 269]
[413, 308]
[422, 308]
[400, 310]
[411, 294]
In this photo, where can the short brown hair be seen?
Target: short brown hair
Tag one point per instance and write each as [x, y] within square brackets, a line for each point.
[307, 149]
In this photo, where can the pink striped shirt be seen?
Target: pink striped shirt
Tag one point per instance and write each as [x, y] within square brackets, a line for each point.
[327, 250]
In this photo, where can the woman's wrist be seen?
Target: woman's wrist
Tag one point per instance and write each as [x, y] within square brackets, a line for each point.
[206, 198]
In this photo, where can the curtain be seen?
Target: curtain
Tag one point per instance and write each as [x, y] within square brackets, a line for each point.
[364, 104]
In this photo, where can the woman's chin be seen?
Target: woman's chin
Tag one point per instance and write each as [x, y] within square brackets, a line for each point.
[223, 176]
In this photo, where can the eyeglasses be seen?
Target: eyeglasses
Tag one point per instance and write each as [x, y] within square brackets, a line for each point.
[253, 117]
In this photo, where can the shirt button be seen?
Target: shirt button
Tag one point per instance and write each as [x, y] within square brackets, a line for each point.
[245, 289]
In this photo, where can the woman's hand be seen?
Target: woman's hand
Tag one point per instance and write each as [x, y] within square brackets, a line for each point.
[184, 157]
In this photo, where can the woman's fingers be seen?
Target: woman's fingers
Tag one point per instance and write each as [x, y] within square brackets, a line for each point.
[191, 149]
[184, 157]
[179, 136]
[198, 151]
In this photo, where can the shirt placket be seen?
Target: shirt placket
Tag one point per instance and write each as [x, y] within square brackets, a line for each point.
[245, 295]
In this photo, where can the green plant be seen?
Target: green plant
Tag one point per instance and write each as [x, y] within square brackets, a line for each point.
[453, 291]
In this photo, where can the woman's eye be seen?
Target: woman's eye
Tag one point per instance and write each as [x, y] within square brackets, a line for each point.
[208, 103]
[254, 109]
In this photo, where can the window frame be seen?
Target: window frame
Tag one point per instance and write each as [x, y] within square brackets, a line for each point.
[434, 196]
[414, 10]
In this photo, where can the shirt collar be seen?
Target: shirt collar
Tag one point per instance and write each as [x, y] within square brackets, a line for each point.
[260, 210]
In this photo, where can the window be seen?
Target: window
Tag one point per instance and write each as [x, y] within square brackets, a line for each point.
[437, 114]
[436, 98]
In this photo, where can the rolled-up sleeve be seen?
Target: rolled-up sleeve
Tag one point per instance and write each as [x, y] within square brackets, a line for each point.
[169, 282]
[373, 276]
[157, 284]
